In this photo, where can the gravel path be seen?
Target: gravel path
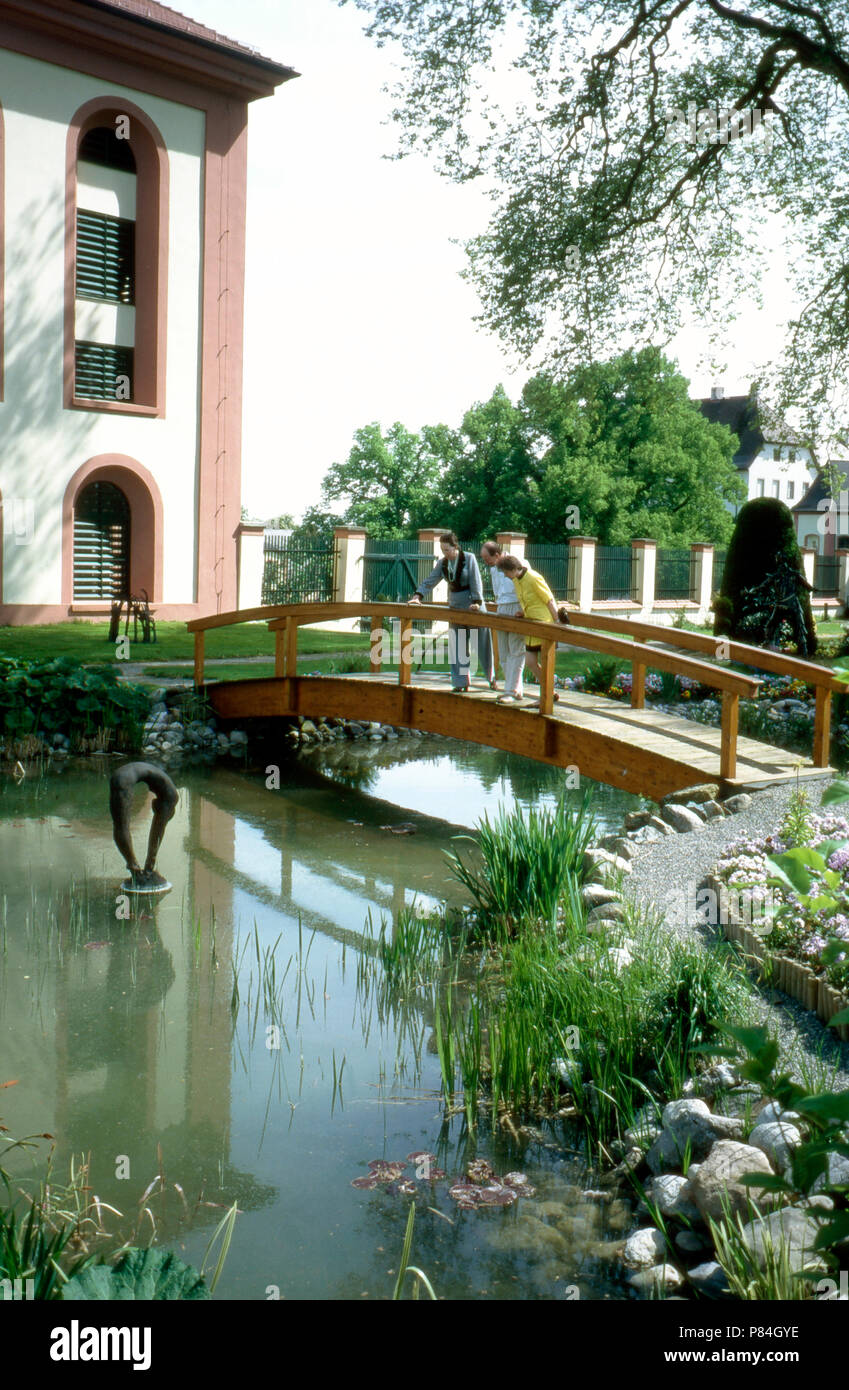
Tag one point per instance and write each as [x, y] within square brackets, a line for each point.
[679, 861]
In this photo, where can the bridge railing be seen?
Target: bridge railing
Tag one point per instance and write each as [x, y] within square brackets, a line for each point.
[284, 621]
[724, 649]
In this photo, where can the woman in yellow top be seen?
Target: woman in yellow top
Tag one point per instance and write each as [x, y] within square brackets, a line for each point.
[538, 605]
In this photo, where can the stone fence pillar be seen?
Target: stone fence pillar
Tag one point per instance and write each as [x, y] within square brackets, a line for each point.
[581, 570]
[809, 557]
[513, 543]
[349, 546]
[643, 574]
[250, 564]
[701, 578]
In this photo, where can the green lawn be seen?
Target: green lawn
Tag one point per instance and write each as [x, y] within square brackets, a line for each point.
[89, 642]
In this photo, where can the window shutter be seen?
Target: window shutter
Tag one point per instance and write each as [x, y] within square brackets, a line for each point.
[101, 543]
[105, 258]
[98, 369]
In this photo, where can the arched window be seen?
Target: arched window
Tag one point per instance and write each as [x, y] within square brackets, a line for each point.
[117, 201]
[101, 542]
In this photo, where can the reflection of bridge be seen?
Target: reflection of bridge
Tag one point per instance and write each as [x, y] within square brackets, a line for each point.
[637, 749]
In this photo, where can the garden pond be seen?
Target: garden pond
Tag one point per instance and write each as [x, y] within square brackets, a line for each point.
[218, 1040]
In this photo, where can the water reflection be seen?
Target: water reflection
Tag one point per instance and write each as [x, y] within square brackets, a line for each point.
[146, 1041]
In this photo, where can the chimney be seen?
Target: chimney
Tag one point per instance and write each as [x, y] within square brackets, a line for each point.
[717, 393]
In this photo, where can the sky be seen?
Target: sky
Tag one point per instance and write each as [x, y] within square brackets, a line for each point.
[354, 306]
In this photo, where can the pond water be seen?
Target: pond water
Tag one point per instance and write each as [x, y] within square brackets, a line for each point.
[150, 1043]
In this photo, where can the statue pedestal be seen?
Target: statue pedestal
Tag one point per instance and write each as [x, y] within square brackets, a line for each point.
[132, 886]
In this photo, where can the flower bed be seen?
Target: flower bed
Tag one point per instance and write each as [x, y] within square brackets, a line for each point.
[801, 874]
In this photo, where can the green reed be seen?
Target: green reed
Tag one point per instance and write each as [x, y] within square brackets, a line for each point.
[528, 861]
[548, 1020]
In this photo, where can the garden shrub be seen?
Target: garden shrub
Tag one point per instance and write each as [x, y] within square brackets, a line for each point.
[63, 696]
[763, 540]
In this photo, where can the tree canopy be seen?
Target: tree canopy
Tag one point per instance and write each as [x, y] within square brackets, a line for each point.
[616, 450]
[617, 206]
[389, 478]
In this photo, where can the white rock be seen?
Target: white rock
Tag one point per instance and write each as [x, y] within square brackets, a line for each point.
[718, 1176]
[643, 1249]
[670, 1193]
[662, 1278]
[777, 1139]
[791, 1229]
[681, 819]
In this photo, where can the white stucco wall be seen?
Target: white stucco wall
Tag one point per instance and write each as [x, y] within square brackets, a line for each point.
[764, 468]
[41, 444]
[800, 473]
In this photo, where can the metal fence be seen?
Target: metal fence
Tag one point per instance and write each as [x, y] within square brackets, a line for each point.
[672, 576]
[552, 562]
[614, 572]
[826, 574]
[718, 569]
[295, 571]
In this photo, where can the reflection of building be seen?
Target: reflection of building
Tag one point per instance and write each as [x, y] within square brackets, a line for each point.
[122, 228]
[120, 1033]
[132, 1021]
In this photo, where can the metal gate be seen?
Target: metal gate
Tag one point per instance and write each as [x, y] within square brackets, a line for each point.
[393, 570]
[295, 571]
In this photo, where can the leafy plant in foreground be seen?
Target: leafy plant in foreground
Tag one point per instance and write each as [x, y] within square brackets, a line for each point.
[152, 1275]
[826, 1117]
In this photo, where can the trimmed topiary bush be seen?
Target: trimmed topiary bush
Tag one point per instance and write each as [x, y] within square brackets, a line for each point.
[765, 598]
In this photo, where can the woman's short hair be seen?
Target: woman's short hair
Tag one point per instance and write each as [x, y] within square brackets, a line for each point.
[509, 562]
[450, 539]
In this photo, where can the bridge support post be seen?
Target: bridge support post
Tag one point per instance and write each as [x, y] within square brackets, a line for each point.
[376, 646]
[728, 745]
[405, 664]
[199, 644]
[638, 685]
[822, 727]
[546, 688]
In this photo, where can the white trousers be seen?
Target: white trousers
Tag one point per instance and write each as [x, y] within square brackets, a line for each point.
[511, 652]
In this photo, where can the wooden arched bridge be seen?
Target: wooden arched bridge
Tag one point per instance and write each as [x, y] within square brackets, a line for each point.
[636, 748]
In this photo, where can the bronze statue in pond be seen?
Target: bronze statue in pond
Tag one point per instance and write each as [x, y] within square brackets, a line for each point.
[121, 787]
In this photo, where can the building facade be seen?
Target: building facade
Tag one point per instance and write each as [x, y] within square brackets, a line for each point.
[770, 459]
[122, 240]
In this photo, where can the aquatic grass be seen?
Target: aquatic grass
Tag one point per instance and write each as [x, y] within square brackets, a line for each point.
[224, 1229]
[32, 1247]
[528, 860]
[766, 1277]
[555, 1015]
[405, 1268]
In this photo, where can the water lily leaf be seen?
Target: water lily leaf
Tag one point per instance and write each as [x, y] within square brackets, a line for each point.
[385, 1169]
[149, 1275]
